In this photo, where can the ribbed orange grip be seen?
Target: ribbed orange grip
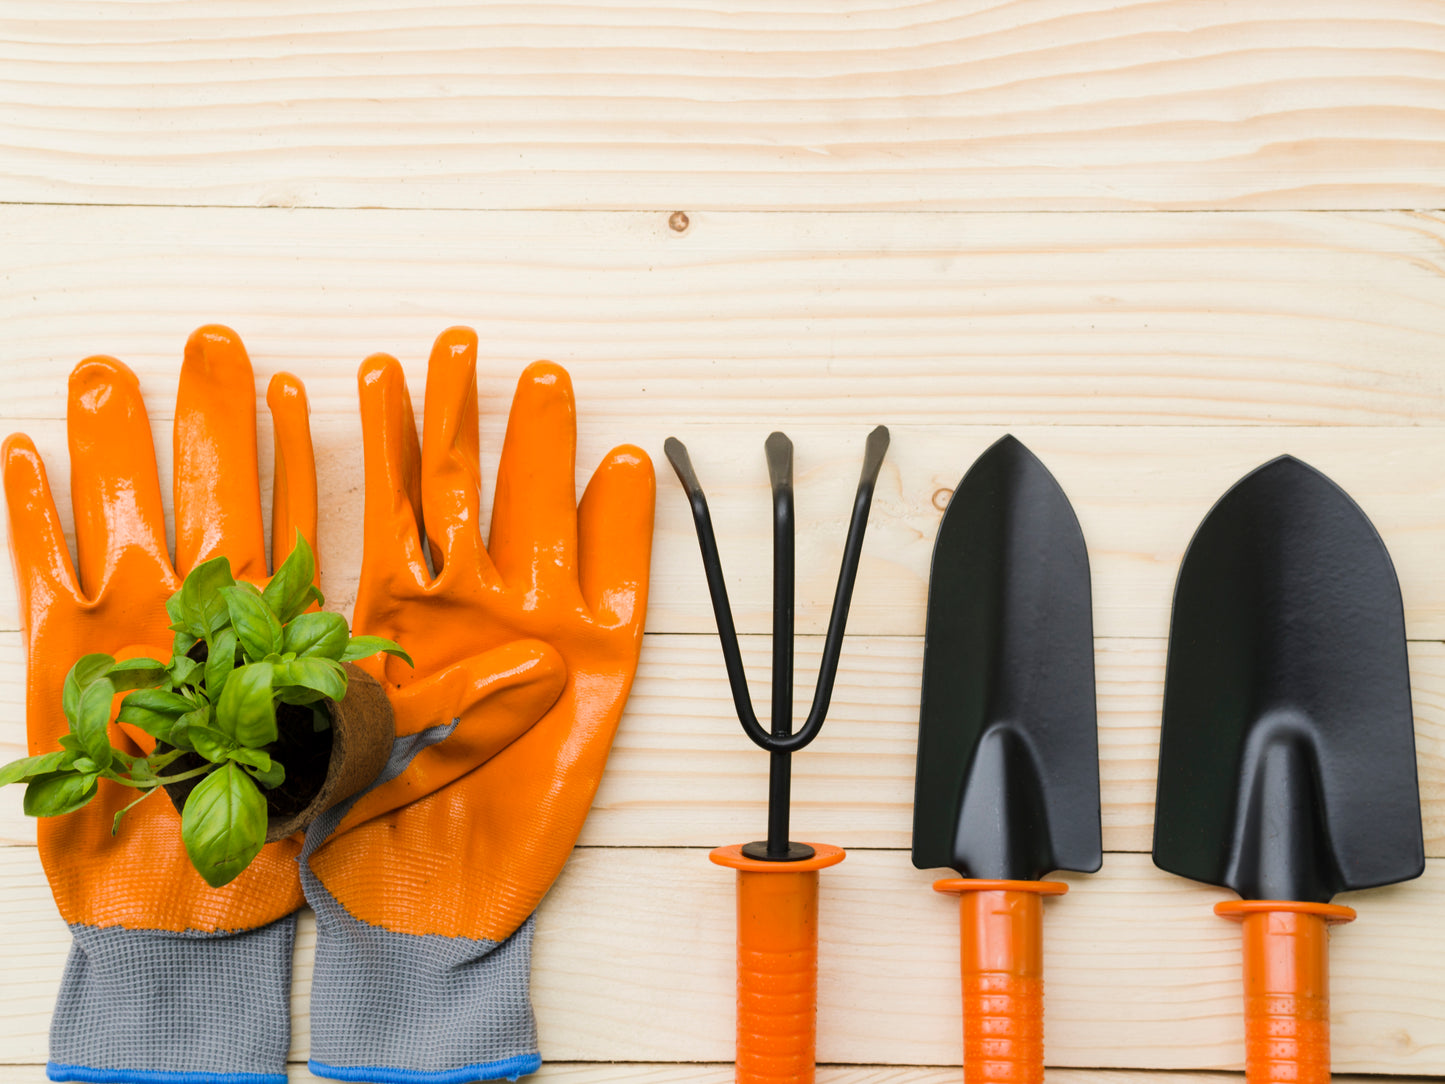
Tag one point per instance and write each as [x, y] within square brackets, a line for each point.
[1286, 988]
[777, 964]
[1002, 962]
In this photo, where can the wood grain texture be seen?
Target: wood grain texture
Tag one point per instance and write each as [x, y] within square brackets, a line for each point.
[746, 319]
[1045, 104]
[1139, 492]
[634, 962]
[682, 774]
[459, 159]
[697, 1073]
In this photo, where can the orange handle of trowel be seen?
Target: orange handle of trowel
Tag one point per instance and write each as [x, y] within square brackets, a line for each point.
[1286, 988]
[1002, 962]
[777, 964]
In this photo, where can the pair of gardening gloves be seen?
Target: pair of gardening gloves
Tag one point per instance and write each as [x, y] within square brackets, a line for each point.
[425, 885]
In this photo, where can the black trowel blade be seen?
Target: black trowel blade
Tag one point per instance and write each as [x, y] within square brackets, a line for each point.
[1008, 760]
[1287, 759]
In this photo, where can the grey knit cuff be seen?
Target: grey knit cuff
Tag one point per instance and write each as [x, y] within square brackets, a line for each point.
[155, 1007]
[399, 1008]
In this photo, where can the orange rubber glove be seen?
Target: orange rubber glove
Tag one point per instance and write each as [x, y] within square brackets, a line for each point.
[167, 976]
[424, 908]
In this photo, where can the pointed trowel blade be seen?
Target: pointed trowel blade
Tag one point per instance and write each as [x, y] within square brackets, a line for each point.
[1287, 758]
[1008, 762]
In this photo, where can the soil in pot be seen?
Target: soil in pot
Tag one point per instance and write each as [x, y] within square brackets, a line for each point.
[304, 750]
[323, 767]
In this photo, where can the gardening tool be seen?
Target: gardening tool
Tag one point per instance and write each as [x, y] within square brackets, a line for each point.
[1287, 760]
[777, 883]
[1008, 760]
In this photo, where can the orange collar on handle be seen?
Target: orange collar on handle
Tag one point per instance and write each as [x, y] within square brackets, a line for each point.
[777, 964]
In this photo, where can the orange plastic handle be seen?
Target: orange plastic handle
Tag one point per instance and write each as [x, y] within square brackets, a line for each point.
[777, 964]
[1002, 962]
[1286, 988]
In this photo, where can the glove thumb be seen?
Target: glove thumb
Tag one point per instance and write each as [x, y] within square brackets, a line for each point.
[486, 701]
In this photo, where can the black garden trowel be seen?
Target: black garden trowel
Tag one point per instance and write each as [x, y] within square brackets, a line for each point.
[1008, 763]
[1287, 760]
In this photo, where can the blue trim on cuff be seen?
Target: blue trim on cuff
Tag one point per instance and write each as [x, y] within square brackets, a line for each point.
[156, 1076]
[508, 1069]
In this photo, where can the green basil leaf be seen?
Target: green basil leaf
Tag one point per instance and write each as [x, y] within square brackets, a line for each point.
[224, 824]
[325, 676]
[136, 674]
[211, 744]
[29, 767]
[158, 726]
[57, 793]
[155, 711]
[92, 719]
[86, 669]
[317, 635]
[245, 711]
[363, 647]
[271, 777]
[85, 766]
[70, 743]
[298, 695]
[220, 661]
[182, 645]
[290, 589]
[257, 629]
[159, 700]
[200, 716]
[253, 758]
[176, 613]
[183, 670]
[199, 607]
[180, 735]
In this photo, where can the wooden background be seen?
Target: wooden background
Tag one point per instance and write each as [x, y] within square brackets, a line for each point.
[1159, 241]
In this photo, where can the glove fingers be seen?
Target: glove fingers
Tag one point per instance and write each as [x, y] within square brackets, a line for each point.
[217, 493]
[495, 698]
[392, 456]
[451, 472]
[293, 495]
[114, 488]
[534, 523]
[614, 523]
[42, 558]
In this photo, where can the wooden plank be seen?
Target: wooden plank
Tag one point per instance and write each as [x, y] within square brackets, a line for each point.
[634, 963]
[1140, 492]
[798, 105]
[695, 1073]
[747, 319]
[683, 775]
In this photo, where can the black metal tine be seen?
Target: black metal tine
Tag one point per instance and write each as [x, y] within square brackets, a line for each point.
[727, 633]
[780, 777]
[876, 447]
[873, 454]
[780, 472]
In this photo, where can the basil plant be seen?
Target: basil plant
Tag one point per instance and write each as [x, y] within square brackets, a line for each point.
[239, 653]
